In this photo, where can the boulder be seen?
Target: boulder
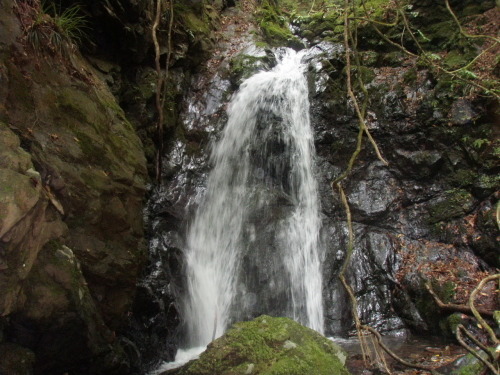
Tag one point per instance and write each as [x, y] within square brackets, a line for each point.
[266, 346]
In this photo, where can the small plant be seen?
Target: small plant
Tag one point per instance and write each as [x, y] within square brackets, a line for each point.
[56, 30]
[478, 143]
[71, 24]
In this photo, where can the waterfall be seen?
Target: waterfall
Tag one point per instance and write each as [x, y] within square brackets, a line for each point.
[266, 150]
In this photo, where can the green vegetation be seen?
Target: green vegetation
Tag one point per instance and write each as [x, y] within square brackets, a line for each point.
[270, 346]
[69, 23]
[55, 29]
[433, 35]
[274, 25]
[243, 66]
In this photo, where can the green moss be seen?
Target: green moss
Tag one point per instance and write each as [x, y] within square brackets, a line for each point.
[196, 24]
[394, 58]
[426, 306]
[456, 59]
[93, 152]
[369, 58]
[446, 291]
[270, 346]
[440, 35]
[192, 19]
[244, 66]
[78, 105]
[378, 9]
[274, 25]
[496, 317]
[487, 182]
[472, 369]
[367, 74]
[456, 203]
[462, 178]
[471, 365]
[450, 323]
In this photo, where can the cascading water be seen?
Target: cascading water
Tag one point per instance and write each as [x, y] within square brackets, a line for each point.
[266, 150]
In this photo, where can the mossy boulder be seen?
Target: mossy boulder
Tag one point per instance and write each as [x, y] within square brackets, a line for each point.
[244, 65]
[57, 288]
[269, 346]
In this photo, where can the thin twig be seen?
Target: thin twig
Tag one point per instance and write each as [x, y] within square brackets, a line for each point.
[462, 31]
[437, 66]
[423, 54]
[361, 119]
[347, 260]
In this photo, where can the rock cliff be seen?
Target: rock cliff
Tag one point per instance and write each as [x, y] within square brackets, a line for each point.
[73, 179]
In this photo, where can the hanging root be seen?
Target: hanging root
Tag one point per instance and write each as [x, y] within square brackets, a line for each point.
[159, 86]
[161, 83]
[363, 129]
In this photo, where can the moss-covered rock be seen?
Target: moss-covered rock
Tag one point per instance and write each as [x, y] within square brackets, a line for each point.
[468, 365]
[269, 346]
[243, 66]
[274, 26]
[456, 202]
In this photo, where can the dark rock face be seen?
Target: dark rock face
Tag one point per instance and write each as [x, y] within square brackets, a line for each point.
[73, 177]
[402, 209]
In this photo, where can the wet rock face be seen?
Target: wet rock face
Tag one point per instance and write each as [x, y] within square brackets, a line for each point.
[415, 205]
[403, 208]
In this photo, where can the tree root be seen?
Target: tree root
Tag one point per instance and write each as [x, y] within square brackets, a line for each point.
[479, 318]
[460, 339]
[161, 83]
[452, 306]
[159, 88]
[393, 355]
[471, 309]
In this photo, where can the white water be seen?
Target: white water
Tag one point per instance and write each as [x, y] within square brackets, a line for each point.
[181, 358]
[213, 257]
